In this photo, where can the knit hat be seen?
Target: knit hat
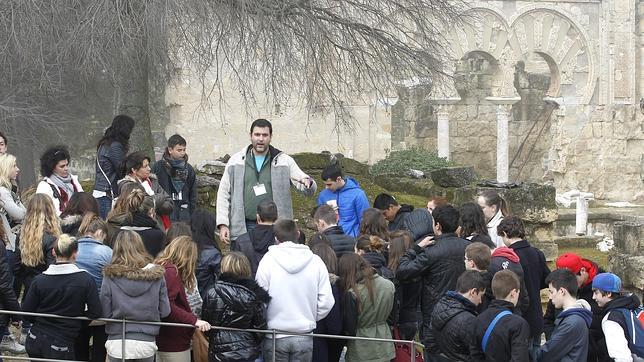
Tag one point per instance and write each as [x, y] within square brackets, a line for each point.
[607, 282]
[570, 261]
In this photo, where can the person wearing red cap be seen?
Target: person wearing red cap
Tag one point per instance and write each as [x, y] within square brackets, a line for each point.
[585, 271]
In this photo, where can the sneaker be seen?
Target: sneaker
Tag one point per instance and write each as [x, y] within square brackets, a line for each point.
[10, 344]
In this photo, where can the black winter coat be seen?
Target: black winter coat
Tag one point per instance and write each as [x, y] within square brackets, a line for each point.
[439, 265]
[510, 339]
[401, 215]
[27, 273]
[236, 303]
[8, 298]
[409, 291]
[451, 332]
[148, 228]
[327, 349]
[419, 223]
[184, 207]
[110, 158]
[340, 242]
[254, 244]
[208, 267]
[498, 263]
[479, 238]
[597, 351]
[535, 272]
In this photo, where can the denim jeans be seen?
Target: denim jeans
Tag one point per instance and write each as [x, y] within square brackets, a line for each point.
[289, 349]
[41, 345]
[104, 206]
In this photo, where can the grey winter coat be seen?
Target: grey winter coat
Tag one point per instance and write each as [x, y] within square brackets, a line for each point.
[230, 195]
[136, 294]
[569, 340]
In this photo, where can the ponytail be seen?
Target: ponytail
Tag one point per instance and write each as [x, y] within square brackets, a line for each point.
[370, 243]
[492, 197]
[91, 224]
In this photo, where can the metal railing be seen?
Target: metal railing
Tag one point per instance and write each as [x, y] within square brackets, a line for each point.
[412, 343]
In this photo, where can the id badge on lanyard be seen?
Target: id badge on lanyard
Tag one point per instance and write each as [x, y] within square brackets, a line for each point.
[259, 189]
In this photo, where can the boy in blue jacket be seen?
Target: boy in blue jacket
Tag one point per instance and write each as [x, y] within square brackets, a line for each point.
[569, 339]
[344, 195]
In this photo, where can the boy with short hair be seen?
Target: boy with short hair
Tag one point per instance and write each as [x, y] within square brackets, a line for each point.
[569, 340]
[177, 177]
[585, 271]
[607, 292]
[500, 335]
[535, 271]
[344, 194]
[478, 257]
[450, 333]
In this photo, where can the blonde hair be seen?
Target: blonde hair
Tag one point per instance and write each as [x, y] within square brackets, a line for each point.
[7, 162]
[136, 200]
[237, 264]
[91, 224]
[128, 250]
[40, 219]
[182, 253]
[65, 246]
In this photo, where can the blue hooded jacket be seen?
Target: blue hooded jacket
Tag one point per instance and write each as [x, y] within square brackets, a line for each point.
[351, 202]
[569, 340]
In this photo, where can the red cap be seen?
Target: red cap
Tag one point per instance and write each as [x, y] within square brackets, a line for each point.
[570, 261]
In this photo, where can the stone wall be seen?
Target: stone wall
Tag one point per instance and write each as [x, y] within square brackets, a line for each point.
[582, 53]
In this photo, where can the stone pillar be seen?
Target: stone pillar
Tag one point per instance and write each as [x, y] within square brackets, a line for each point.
[442, 115]
[503, 105]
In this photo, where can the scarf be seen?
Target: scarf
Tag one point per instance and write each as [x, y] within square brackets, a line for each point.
[65, 184]
[177, 170]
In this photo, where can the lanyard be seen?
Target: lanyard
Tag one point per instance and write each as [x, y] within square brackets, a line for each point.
[255, 163]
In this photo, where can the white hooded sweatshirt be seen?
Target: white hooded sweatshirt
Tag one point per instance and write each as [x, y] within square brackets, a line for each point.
[298, 283]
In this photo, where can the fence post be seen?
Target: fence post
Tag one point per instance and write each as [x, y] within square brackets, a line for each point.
[274, 345]
[123, 341]
[413, 350]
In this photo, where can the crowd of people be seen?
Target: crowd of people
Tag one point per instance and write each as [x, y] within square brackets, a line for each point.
[463, 279]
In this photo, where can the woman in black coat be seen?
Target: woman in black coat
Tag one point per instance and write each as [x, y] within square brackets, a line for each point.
[203, 226]
[135, 211]
[235, 301]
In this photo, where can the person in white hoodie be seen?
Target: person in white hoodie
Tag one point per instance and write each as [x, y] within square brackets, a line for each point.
[298, 283]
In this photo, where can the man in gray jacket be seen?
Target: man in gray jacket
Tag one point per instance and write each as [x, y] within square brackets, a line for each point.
[257, 172]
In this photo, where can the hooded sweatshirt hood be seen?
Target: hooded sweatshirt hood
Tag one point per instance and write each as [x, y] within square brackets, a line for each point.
[582, 310]
[505, 252]
[290, 256]
[132, 281]
[262, 237]
[349, 184]
[626, 302]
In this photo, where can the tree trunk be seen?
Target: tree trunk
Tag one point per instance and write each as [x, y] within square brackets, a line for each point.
[132, 99]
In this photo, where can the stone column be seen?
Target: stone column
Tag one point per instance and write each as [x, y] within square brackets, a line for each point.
[442, 115]
[503, 105]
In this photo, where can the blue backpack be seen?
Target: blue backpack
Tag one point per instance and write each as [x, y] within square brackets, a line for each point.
[635, 325]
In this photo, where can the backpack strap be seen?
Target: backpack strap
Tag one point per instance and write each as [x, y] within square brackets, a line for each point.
[490, 328]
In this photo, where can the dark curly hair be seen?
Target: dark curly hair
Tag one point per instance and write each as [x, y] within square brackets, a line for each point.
[119, 131]
[51, 157]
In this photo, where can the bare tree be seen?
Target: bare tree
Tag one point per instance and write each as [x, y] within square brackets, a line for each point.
[324, 52]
